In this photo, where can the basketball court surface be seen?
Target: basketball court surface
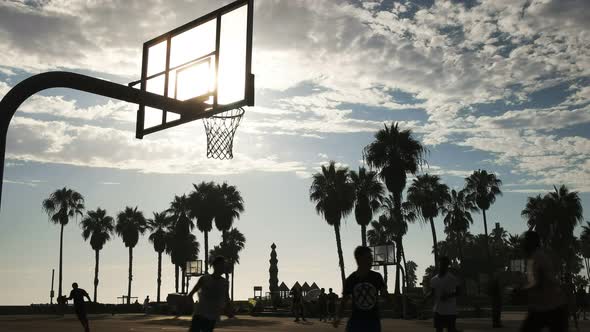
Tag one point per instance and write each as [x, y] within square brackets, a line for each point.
[125, 323]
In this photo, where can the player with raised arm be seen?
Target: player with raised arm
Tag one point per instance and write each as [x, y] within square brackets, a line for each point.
[364, 287]
[78, 295]
[214, 299]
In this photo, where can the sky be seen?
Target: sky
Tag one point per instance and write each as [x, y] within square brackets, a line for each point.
[499, 85]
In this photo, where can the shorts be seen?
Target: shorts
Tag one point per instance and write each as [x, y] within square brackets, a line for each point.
[556, 320]
[444, 321]
[81, 313]
[202, 324]
[358, 325]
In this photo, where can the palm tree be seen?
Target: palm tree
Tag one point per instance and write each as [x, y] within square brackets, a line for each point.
[130, 224]
[158, 225]
[428, 196]
[457, 211]
[483, 188]
[231, 205]
[398, 227]
[230, 247]
[181, 225]
[98, 227]
[205, 203]
[368, 195]
[333, 193]
[381, 233]
[585, 247]
[60, 206]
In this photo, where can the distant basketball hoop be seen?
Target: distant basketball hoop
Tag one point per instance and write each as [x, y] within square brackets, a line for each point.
[383, 255]
[194, 268]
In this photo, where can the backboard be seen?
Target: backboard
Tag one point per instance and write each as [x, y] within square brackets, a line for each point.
[383, 254]
[206, 62]
[194, 268]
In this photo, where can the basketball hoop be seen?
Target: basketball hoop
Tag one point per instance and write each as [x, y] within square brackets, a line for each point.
[220, 130]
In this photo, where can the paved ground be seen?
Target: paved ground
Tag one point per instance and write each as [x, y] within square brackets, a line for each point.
[126, 323]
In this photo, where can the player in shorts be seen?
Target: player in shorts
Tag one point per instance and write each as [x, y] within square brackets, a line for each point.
[78, 295]
[213, 291]
[364, 287]
[444, 289]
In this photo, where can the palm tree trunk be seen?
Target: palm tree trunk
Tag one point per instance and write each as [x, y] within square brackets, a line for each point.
[364, 235]
[176, 277]
[460, 249]
[485, 228]
[385, 274]
[398, 254]
[130, 275]
[206, 237]
[61, 249]
[96, 258]
[340, 256]
[183, 269]
[434, 246]
[405, 266]
[232, 283]
[397, 198]
[159, 276]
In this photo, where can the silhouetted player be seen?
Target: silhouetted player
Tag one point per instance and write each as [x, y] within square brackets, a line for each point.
[323, 304]
[213, 292]
[364, 287]
[298, 304]
[332, 299]
[78, 295]
[444, 288]
[547, 303]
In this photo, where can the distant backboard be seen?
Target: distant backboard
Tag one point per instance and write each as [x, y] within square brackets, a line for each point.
[383, 254]
[194, 268]
[206, 62]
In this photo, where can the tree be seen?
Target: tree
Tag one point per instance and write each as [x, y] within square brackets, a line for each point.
[233, 242]
[60, 206]
[381, 233]
[368, 195]
[130, 224]
[554, 216]
[457, 212]
[483, 188]
[411, 269]
[333, 193]
[177, 235]
[585, 247]
[395, 153]
[428, 196]
[98, 227]
[158, 226]
[205, 203]
[231, 205]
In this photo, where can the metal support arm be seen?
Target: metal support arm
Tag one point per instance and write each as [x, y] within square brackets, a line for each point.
[19, 93]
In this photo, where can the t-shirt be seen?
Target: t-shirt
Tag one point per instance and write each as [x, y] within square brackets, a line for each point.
[78, 295]
[364, 291]
[323, 298]
[544, 295]
[212, 296]
[444, 285]
[332, 298]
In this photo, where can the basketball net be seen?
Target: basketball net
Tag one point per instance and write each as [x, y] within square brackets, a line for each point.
[220, 130]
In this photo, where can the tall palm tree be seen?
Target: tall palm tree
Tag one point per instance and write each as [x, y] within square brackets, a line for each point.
[97, 226]
[231, 205]
[428, 196]
[398, 227]
[484, 187]
[457, 212]
[158, 226]
[205, 203]
[230, 247]
[181, 225]
[381, 233]
[60, 206]
[130, 224]
[333, 194]
[585, 247]
[368, 195]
